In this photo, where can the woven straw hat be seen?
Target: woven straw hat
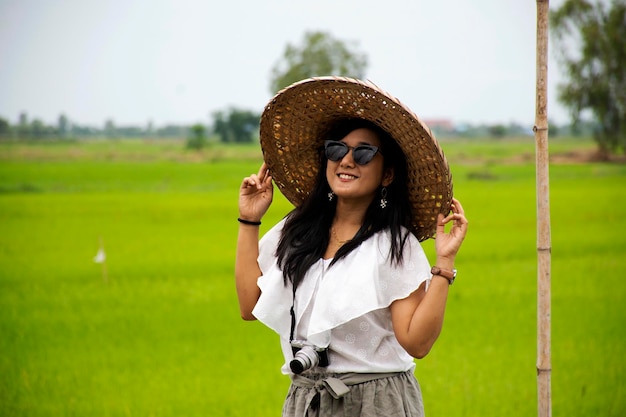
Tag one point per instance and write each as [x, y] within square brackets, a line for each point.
[294, 122]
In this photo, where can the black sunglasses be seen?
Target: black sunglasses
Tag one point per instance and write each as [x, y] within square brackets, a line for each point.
[362, 154]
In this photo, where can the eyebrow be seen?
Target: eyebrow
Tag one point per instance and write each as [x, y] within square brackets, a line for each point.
[361, 143]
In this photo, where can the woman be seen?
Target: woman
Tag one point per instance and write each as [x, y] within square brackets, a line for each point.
[343, 279]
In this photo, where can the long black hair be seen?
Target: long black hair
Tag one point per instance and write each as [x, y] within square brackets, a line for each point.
[306, 232]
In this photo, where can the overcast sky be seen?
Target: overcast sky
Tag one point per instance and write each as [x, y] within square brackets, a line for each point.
[177, 61]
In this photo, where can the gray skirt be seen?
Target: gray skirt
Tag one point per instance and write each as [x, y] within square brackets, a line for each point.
[351, 395]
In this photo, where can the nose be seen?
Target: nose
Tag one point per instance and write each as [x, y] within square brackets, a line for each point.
[347, 159]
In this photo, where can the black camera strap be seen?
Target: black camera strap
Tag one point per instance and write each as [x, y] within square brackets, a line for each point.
[292, 311]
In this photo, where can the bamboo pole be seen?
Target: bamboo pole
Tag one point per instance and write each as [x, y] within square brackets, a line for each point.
[544, 368]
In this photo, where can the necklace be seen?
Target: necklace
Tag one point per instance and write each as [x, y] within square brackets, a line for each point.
[334, 233]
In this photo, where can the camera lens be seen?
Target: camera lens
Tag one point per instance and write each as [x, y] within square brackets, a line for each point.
[304, 359]
[296, 366]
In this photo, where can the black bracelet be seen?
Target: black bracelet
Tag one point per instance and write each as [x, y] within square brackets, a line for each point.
[248, 222]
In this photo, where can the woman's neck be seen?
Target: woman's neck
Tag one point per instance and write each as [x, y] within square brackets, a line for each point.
[348, 219]
[349, 214]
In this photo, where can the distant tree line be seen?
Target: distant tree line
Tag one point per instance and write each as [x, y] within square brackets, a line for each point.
[230, 126]
[513, 129]
[235, 125]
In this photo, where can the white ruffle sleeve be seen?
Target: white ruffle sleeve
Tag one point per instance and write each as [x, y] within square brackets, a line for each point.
[361, 282]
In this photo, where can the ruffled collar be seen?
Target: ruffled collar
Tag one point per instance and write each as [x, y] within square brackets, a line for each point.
[361, 282]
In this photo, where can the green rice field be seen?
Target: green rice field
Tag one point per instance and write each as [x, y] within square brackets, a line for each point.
[155, 330]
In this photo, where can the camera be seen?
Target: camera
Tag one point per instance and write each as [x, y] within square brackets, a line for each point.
[306, 356]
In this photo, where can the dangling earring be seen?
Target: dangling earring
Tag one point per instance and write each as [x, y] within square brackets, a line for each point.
[331, 196]
[383, 197]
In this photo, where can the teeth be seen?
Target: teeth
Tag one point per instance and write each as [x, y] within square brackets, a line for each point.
[346, 177]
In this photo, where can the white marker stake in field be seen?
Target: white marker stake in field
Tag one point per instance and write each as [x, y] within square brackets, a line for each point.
[101, 258]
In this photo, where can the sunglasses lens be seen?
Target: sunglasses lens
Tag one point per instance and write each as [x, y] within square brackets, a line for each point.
[363, 154]
[335, 151]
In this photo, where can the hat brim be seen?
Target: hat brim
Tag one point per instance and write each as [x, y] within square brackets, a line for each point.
[295, 120]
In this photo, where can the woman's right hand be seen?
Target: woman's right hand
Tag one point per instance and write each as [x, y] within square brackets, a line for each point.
[255, 195]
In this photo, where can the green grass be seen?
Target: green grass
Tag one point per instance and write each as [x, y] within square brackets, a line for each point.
[162, 337]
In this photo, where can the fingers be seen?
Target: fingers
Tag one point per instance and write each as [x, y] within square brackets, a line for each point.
[261, 176]
[266, 177]
[258, 180]
[250, 181]
[255, 194]
[457, 214]
[457, 207]
[441, 224]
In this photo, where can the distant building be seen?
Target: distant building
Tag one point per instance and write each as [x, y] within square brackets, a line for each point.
[440, 126]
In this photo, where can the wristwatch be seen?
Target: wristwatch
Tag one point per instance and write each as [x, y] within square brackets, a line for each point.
[445, 273]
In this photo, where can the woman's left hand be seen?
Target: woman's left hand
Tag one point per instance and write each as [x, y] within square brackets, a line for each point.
[447, 244]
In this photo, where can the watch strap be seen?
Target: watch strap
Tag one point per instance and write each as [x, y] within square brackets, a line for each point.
[450, 275]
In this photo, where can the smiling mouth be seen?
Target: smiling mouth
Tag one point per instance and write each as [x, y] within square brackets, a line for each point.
[346, 177]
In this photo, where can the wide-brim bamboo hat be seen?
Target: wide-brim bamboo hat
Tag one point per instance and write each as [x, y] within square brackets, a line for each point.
[295, 121]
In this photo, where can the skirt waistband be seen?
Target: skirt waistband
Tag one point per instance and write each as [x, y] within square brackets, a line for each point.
[338, 384]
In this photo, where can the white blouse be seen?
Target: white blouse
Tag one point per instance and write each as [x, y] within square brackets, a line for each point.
[345, 306]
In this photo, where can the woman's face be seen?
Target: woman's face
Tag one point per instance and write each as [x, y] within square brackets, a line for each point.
[352, 181]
